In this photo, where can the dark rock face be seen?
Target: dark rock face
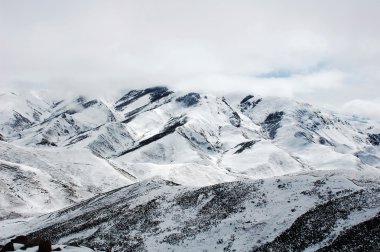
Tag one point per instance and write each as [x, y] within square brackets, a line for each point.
[249, 103]
[8, 247]
[46, 142]
[156, 93]
[70, 112]
[374, 139]
[42, 244]
[77, 139]
[20, 239]
[245, 99]
[272, 123]
[81, 99]
[45, 246]
[189, 99]
[37, 115]
[170, 128]
[108, 143]
[244, 146]
[89, 103]
[2, 137]
[235, 119]
[20, 122]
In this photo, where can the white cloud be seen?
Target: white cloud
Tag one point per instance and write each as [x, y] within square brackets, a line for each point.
[363, 108]
[97, 46]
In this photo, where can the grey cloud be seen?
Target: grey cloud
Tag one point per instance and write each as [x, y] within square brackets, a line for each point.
[97, 46]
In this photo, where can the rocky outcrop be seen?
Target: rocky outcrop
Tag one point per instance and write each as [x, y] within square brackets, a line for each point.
[374, 139]
[272, 123]
[189, 99]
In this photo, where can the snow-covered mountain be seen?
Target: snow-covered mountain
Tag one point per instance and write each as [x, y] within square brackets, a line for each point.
[320, 210]
[154, 169]
[55, 151]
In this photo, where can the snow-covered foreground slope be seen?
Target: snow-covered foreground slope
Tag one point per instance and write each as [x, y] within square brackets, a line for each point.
[307, 211]
[39, 181]
[58, 151]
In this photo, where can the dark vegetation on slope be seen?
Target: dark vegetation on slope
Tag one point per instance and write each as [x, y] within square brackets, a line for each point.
[316, 225]
[362, 237]
[121, 225]
[224, 202]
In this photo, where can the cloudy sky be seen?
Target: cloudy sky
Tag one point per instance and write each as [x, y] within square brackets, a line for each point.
[324, 52]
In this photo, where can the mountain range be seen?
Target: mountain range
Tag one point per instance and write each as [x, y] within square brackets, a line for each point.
[154, 169]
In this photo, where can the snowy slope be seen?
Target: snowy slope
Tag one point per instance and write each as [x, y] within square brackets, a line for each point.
[34, 182]
[78, 147]
[289, 213]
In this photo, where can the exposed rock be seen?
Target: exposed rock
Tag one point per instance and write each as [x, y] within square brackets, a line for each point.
[235, 119]
[156, 93]
[272, 123]
[45, 246]
[374, 139]
[170, 128]
[22, 239]
[244, 146]
[8, 247]
[89, 103]
[249, 103]
[189, 99]
[33, 242]
[81, 99]
[46, 142]
[20, 122]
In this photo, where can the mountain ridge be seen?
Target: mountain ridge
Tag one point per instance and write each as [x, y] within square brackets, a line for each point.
[188, 138]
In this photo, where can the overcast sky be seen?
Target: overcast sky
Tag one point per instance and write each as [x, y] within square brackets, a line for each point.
[324, 52]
